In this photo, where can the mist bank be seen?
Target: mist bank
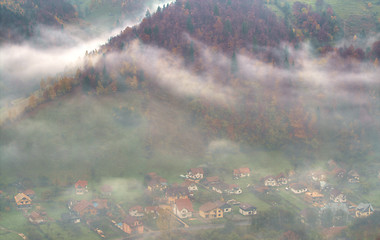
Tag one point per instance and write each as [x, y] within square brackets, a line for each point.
[52, 51]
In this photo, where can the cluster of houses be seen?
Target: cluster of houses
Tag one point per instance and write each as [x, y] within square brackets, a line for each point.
[180, 196]
[178, 199]
[318, 192]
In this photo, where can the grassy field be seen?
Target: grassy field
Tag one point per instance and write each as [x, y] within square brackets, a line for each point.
[5, 235]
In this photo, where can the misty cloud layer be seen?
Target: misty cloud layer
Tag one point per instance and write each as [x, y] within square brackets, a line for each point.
[51, 52]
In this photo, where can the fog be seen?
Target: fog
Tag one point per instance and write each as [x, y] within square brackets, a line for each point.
[185, 114]
[51, 52]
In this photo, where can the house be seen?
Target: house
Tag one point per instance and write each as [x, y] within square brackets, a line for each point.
[69, 218]
[81, 187]
[157, 185]
[337, 196]
[106, 190]
[234, 189]
[246, 209]
[353, 176]
[241, 172]
[36, 218]
[314, 198]
[176, 192]
[22, 200]
[281, 179]
[339, 172]
[317, 176]
[225, 207]
[332, 164]
[233, 202]
[191, 185]
[101, 205]
[136, 211]
[298, 188]
[270, 181]
[155, 182]
[195, 173]
[30, 193]
[132, 225]
[84, 207]
[152, 211]
[364, 210]
[211, 180]
[183, 208]
[219, 187]
[211, 210]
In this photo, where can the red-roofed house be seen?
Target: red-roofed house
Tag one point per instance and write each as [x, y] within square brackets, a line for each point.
[84, 207]
[81, 187]
[132, 225]
[183, 208]
[195, 173]
[191, 185]
[242, 172]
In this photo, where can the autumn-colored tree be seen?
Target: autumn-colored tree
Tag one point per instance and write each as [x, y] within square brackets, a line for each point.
[32, 103]
[52, 93]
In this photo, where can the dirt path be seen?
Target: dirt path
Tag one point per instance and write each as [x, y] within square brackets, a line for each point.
[9, 230]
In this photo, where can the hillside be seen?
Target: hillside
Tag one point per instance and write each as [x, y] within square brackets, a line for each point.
[218, 87]
[235, 84]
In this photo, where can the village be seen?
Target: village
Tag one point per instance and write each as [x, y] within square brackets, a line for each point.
[200, 197]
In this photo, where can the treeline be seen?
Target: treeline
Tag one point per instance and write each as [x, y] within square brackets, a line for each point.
[226, 25]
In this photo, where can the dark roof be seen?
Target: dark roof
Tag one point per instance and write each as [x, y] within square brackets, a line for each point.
[130, 220]
[335, 193]
[247, 207]
[364, 207]
[297, 186]
[177, 190]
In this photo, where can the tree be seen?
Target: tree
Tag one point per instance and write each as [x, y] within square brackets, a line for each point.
[234, 64]
[32, 101]
[216, 10]
[189, 24]
[147, 14]
[327, 218]
[52, 93]
[42, 85]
